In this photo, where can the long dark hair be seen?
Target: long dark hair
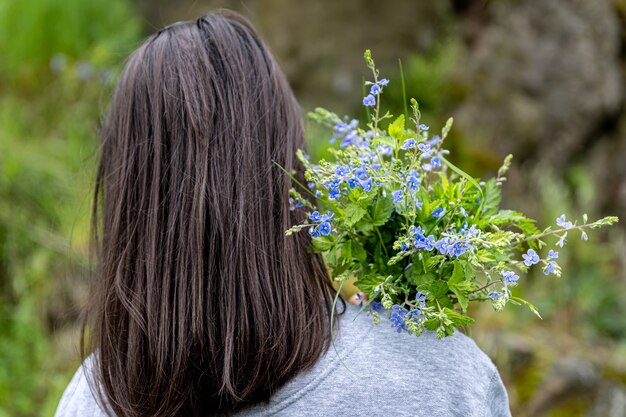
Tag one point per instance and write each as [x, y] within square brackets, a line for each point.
[201, 304]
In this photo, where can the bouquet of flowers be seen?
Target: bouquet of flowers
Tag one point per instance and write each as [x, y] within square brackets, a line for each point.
[422, 237]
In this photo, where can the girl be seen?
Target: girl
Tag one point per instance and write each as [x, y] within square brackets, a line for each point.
[202, 306]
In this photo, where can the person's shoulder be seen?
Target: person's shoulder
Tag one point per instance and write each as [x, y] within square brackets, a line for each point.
[382, 340]
[78, 399]
[447, 374]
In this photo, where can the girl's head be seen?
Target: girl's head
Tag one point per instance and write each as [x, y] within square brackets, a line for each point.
[201, 303]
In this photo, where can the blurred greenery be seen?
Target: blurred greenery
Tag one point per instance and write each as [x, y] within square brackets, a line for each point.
[58, 64]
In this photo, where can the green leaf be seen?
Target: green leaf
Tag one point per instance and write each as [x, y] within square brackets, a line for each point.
[491, 197]
[458, 285]
[358, 252]
[529, 305]
[458, 320]
[396, 129]
[381, 210]
[353, 213]
[323, 243]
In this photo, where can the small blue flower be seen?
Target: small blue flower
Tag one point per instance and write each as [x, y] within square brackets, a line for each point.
[463, 212]
[310, 184]
[562, 240]
[369, 101]
[494, 295]
[423, 147]
[314, 232]
[376, 306]
[560, 221]
[423, 127]
[324, 228]
[375, 89]
[530, 257]
[420, 298]
[397, 317]
[408, 144]
[366, 184]
[342, 171]
[383, 82]
[413, 183]
[318, 193]
[438, 212]
[333, 193]
[397, 196]
[361, 173]
[352, 183]
[550, 268]
[509, 277]
[435, 162]
[427, 167]
[315, 216]
[552, 254]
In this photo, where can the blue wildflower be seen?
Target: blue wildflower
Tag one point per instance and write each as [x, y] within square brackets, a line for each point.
[342, 171]
[310, 184]
[413, 183]
[420, 298]
[423, 242]
[423, 147]
[562, 240]
[435, 162]
[463, 212]
[315, 216]
[361, 173]
[383, 82]
[509, 277]
[375, 89]
[408, 144]
[423, 127]
[324, 228]
[397, 196]
[369, 101]
[397, 317]
[314, 232]
[560, 221]
[530, 257]
[366, 184]
[550, 268]
[333, 193]
[552, 254]
[427, 167]
[376, 306]
[494, 295]
[438, 213]
[318, 193]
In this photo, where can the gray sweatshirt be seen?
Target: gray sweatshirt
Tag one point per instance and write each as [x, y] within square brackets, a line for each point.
[378, 372]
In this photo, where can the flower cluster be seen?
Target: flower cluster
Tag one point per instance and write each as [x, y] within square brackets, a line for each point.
[421, 237]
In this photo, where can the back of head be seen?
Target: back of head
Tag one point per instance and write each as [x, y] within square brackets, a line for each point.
[201, 304]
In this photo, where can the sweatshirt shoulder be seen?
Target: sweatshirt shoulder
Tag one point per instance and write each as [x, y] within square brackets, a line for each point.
[78, 400]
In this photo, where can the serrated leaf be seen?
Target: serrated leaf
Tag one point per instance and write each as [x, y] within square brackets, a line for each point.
[353, 213]
[381, 210]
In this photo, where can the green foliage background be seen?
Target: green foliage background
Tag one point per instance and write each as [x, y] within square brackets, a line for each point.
[58, 63]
